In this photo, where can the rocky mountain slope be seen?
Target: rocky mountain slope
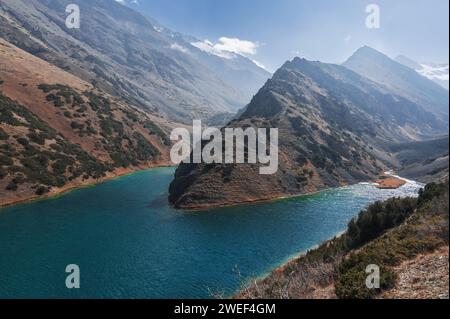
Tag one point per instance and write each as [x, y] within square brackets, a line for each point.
[239, 70]
[333, 126]
[400, 79]
[122, 53]
[58, 131]
[424, 161]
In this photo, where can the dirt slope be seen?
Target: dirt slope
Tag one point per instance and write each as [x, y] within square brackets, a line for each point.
[59, 132]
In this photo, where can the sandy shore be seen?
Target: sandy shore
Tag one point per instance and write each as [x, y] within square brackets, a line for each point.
[390, 182]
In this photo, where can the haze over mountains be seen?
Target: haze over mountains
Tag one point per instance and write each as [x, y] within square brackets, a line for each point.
[437, 72]
[400, 79]
[124, 54]
[335, 125]
[82, 105]
[79, 106]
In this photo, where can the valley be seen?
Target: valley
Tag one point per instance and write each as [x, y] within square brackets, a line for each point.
[335, 128]
[102, 96]
[54, 136]
[152, 250]
[338, 165]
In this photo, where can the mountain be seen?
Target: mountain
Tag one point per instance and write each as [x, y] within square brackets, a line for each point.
[122, 53]
[237, 69]
[58, 131]
[408, 62]
[242, 73]
[437, 72]
[334, 126]
[425, 161]
[400, 79]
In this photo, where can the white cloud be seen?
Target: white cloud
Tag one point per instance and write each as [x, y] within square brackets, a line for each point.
[178, 47]
[209, 47]
[227, 48]
[136, 2]
[435, 72]
[238, 46]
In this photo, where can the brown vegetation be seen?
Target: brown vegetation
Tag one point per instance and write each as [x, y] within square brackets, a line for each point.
[59, 132]
[381, 236]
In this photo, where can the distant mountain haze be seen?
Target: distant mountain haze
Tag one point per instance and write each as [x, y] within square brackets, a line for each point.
[101, 101]
[437, 72]
[400, 79]
[123, 53]
[335, 127]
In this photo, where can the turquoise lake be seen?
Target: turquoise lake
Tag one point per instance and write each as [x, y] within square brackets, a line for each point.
[129, 243]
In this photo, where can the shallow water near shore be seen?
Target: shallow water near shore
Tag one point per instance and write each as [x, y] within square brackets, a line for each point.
[129, 243]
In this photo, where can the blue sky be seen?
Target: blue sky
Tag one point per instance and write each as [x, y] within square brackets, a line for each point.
[325, 30]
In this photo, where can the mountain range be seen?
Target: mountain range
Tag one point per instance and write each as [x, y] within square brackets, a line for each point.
[58, 131]
[335, 128]
[80, 106]
[126, 55]
[400, 79]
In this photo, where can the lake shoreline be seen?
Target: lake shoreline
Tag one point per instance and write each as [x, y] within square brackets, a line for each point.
[82, 227]
[393, 182]
[284, 264]
[387, 182]
[54, 193]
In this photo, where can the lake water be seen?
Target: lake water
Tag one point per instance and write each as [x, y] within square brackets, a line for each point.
[129, 243]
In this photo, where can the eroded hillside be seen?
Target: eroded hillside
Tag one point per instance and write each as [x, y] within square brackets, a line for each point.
[333, 125]
[58, 131]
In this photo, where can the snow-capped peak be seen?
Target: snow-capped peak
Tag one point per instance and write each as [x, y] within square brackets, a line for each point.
[435, 71]
[438, 73]
[210, 48]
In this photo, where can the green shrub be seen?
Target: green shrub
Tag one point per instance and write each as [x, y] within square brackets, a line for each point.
[23, 141]
[76, 126]
[59, 167]
[36, 138]
[425, 231]
[430, 191]
[61, 94]
[378, 218]
[154, 129]
[12, 186]
[144, 150]
[41, 190]
[352, 283]
[3, 135]
[6, 161]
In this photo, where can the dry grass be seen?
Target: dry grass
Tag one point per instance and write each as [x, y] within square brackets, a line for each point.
[332, 271]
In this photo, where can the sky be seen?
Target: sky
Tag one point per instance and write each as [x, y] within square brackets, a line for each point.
[273, 31]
